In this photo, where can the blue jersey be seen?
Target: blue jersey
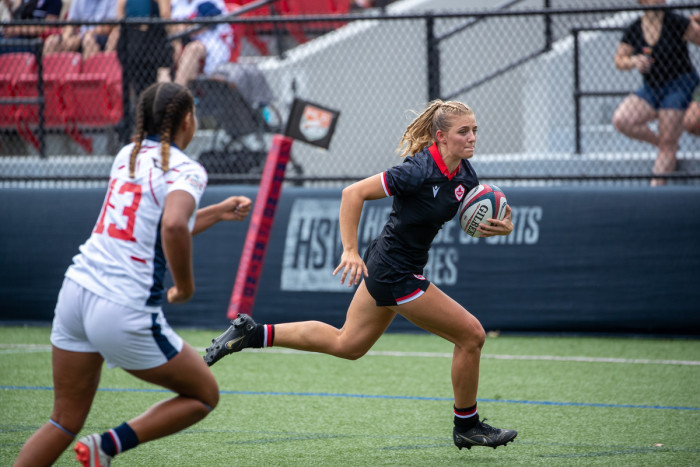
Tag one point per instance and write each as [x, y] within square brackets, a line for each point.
[426, 196]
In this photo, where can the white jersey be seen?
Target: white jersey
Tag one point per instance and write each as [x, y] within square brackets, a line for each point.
[123, 260]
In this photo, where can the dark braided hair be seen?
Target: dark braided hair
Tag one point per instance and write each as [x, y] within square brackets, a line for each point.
[161, 109]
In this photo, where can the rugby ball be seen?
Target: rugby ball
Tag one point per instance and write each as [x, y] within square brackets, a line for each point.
[482, 202]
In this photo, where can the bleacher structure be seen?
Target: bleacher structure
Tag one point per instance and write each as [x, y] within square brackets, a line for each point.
[78, 95]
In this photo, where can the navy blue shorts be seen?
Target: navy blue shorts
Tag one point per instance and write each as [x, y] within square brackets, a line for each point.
[388, 287]
[676, 94]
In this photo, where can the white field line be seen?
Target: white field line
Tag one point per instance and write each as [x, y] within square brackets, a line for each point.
[24, 348]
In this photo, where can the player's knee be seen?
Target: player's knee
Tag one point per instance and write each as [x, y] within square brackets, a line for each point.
[68, 422]
[473, 336]
[351, 352]
[211, 397]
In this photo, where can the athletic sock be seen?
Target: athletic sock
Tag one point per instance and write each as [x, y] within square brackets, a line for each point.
[466, 418]
[263, 336]
[118, 440]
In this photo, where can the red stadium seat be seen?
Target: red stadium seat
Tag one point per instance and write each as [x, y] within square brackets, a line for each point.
[314, 8]
[95, 94]
[249, 32]
[12, 65]
[55, 68]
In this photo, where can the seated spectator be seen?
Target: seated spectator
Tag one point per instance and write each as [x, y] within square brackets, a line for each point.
[48, 10]
[205, 49]
[88, 40]
[5, 10]
[691, 120]
[656, 45]
[144, 52]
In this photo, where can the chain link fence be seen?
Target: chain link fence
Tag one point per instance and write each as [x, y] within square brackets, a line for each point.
[539, 75]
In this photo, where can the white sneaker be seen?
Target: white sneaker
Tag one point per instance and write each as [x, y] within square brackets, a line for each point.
[89, 452]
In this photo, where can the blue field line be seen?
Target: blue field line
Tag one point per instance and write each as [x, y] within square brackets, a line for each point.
[379, 396]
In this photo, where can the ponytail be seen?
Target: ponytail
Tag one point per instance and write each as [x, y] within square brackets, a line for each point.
[422, 130]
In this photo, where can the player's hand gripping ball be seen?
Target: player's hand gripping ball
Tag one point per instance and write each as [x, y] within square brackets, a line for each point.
[482, 202]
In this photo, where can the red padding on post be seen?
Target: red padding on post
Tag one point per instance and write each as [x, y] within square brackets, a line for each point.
[250, 266]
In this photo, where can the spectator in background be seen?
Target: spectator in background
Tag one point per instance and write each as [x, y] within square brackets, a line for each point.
[144, 52]
[47, 10]
[656, 46]
[5, 10]
[205, 49]
[691, 120]
[88, 40]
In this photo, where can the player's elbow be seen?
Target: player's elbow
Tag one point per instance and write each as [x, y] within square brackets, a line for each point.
[173, 226]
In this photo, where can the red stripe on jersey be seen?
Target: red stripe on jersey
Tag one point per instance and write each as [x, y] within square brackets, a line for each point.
[150, 185]
[140, 260]
[384, 185]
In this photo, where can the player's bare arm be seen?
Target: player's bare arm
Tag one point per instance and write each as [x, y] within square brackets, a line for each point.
[353, 198]
[233, 208]
[177, 244]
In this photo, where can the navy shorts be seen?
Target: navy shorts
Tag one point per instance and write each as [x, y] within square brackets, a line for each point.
[388, 287]
[676, 94]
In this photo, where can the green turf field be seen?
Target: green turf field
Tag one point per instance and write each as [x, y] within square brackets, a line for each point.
[574, 401]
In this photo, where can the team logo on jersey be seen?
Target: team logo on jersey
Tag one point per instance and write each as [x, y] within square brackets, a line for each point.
[459, 192]
[419, 277]
[435, 190]
[195, 182]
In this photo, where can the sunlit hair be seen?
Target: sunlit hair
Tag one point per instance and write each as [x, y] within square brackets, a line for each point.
[161, 109]
[421, 132]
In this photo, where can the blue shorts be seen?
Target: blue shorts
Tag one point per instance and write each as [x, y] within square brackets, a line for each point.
[676, 94]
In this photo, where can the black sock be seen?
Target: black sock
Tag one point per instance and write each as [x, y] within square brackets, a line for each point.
[466, 418]
[262, 336]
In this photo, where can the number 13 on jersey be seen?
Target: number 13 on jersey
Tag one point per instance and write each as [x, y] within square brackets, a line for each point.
[129, 210]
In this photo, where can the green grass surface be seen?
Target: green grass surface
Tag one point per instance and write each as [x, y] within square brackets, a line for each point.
[390, 408]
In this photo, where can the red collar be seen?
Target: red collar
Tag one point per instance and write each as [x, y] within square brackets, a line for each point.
[435, 152]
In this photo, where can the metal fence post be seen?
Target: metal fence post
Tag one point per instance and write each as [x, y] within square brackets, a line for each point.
[548, 35]
[41, 130]
[433, 58]
[577, 93]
